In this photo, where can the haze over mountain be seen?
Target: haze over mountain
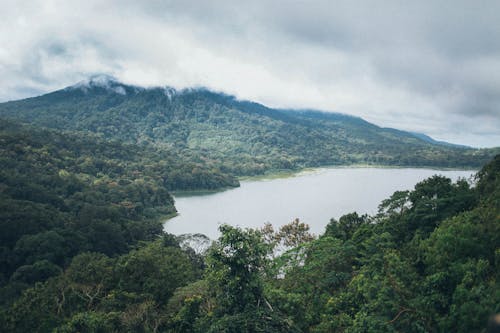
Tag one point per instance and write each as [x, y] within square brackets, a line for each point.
[242, 137]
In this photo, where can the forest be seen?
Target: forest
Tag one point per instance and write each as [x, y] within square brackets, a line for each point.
[65, 194]
[83, 250]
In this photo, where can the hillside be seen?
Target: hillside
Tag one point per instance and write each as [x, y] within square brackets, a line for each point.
[64, 194]
[241, 137]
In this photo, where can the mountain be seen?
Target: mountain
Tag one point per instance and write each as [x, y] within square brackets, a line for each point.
[437, 142]
[240, 137]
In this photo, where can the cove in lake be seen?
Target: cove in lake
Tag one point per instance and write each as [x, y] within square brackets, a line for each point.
[312, 196]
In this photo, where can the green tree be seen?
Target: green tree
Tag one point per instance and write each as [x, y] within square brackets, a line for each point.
[235, 267]
[155, 269]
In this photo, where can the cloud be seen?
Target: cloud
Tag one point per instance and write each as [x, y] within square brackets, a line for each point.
[428, 66]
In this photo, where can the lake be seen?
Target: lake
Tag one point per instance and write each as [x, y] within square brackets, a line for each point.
[313, 196]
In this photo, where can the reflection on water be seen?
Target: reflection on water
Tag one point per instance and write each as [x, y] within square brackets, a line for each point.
[313, 196]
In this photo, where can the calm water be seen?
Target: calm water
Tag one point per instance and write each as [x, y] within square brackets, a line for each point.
[313, 196]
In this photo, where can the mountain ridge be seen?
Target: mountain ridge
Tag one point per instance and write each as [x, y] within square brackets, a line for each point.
[111, 83]
[243, 137]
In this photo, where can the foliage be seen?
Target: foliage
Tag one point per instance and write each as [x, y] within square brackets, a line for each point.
[428, 262]
[234, 265]
[101, 294]
[64, 194]
[235, 274]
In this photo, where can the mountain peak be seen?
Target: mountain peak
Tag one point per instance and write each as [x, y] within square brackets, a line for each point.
[103, 81]
[98, 80]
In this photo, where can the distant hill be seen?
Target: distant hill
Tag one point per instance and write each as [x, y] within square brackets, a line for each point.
[241, 137]
[431, 140]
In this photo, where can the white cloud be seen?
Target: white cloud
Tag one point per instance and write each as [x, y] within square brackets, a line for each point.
[422, 66]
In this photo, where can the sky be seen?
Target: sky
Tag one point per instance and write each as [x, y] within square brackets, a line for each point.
[422, 66]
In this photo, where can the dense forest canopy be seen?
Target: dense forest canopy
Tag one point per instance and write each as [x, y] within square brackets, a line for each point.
[64, 194]
[82, 250]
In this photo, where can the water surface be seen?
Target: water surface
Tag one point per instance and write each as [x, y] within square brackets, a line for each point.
[312, 196]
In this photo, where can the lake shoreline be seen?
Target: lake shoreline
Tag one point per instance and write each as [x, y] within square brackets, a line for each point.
[279, 174]
[315, 195]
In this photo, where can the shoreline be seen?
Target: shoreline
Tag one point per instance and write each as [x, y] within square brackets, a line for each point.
[280, 200]
[283, 174]
[278, 174]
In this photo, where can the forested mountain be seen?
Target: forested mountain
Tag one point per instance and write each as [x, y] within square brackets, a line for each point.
[243, 138]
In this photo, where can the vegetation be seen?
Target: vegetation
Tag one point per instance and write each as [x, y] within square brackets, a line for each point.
[82, 247]
[427, 262]
[241, 138]
[61, 195]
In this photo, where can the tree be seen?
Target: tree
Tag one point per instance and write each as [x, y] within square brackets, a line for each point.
[235, 265]
[39, 271]
[155, 269]
[347, 225]
[293, 234]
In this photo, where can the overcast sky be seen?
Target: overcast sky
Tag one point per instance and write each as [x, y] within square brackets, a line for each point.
[425, 66]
